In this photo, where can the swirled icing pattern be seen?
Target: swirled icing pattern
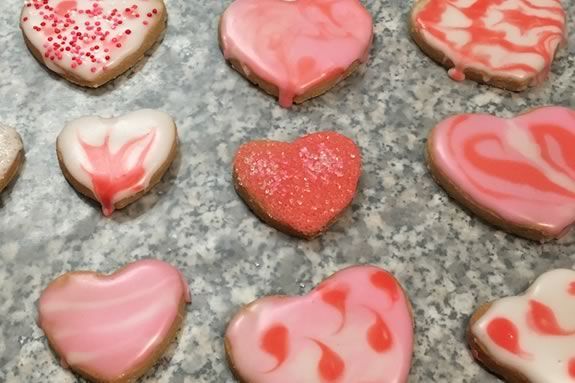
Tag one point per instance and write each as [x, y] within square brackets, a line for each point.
[10, 146]
[534, 333]
[505, 38]
[296, 44]
[107, 326]
[117, 157]
[522, 169]
[88, 37]
[355, 327]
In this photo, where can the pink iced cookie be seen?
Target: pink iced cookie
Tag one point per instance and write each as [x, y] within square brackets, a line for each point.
[530, 337]
[355, 327]
[295, 49]
[91, 42]
[114, 328]
[518, 173]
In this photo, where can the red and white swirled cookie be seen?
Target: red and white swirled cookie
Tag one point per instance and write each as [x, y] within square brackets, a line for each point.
[530, 337]
[91, 42]
[506, 43]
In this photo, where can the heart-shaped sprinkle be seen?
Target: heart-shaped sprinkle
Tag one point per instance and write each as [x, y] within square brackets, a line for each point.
[532, 334]
[351, 328]
[112, 328]
[508, 39]
[87, 40]
[11, 155]
[115, 160]
[517, 173]
[294, 47]
[299, 187]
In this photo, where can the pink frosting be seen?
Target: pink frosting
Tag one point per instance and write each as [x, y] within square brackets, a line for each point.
[355, 327]
[522, 169]
[107, 325]
[296, 44]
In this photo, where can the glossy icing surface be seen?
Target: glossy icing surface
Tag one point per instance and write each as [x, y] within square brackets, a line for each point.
[534, 333]
[108, 325]
[304, 184]
[88, 37]
[522, 169]
[507, 38]
[354, 327]
[296, 44]
[10, 146]
[117, 157]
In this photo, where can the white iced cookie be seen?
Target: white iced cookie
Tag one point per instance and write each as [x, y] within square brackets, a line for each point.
[11, 155]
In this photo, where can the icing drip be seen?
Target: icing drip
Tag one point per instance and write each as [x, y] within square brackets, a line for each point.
[533, 333]
[523, 169]
[296, 44]
[302, 339]
[506, 38]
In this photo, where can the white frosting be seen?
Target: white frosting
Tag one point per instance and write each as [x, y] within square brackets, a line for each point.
[545, 358]
[150, 127]
[10, 146]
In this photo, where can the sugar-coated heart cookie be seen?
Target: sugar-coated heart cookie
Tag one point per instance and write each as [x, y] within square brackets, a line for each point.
[11, 155]
[302, 187]
[529, 338]
[506, 43]
[117, 160]
[355, 327]
[518, 174]
[114, 328]
[296, 49]
[91, 42]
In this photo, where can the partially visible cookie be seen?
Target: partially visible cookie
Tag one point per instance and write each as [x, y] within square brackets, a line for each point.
[115, 161]
[11, 155]
[508, 44]
[529, 338]
[91, 42]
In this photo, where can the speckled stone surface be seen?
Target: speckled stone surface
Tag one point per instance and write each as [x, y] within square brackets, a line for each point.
[448, 261]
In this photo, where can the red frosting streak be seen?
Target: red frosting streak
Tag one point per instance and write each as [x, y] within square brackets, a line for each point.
[572, 288]
[542, 319]
[571, 368]
[386, 282]
[504, 333]
[65, 6]
[275, 342]
[378, 335]
[110, 173]
[336, 298]
[331, 365]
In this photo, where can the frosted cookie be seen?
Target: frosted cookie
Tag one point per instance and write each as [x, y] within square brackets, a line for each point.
[356, 326]
[530, 337]
[115, 161]
[114, 328]
[91, 42]
[508, 43]
[518, 174]
[11, 155]
[302, 187]
[295, 49]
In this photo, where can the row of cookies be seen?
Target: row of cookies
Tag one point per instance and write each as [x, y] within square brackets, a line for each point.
[357, 325]
[297, 50]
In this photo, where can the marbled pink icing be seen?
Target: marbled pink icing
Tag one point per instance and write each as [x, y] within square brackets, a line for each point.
[522, 169]
[355, 327]
[106, 325]
[296, 44]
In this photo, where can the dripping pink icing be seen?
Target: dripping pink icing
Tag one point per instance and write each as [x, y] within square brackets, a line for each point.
[296, 44]
[523, 169]
[302, 339]
[107, 325]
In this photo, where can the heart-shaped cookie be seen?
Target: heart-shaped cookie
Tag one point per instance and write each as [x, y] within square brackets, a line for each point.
[117, 160]
[531, 337]
[11, 155]
[355, 327]
[91, 42]
[518, 173]
[508, 43]
[301, 187]
[295, 49]
[114, 328]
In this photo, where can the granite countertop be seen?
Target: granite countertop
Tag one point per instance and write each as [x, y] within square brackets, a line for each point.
[448, 261]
